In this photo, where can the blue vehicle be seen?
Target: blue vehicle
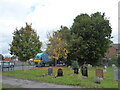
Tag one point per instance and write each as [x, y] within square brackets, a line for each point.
[42, 59]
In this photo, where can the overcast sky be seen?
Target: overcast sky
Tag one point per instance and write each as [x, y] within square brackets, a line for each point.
[49, 15]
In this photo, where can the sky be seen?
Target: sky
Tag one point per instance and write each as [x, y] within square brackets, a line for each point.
[48, 15]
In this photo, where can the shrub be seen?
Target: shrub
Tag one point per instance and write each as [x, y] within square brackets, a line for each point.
[113, 60]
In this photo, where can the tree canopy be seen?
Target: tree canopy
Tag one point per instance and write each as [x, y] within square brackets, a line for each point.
[92, 35]
[26, 43]
[57, 47]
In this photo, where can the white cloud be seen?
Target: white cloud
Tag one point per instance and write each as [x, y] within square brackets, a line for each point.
[48, 15]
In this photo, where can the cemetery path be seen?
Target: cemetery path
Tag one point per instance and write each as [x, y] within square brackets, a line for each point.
[22, 83]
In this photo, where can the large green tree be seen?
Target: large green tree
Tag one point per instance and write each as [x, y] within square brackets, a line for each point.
[92, 35]
[25, 43]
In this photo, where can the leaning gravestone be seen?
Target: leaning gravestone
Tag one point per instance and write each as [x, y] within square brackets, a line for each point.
[99, 73]
[50, 70]
[117, 75]
[60, 72]
[84, 71]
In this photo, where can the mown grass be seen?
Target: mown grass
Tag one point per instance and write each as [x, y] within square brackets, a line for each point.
[7, 87]
[69, 78]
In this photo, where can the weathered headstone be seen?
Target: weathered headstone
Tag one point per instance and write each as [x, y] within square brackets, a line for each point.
[60, 72]
[84, 71]
[50, 70]
[76, 70]
[99, 73]
[117, 75]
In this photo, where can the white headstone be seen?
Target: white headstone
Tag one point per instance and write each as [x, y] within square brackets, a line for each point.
[68, 66]
[89, 65]
[105, 67]
[114, 66]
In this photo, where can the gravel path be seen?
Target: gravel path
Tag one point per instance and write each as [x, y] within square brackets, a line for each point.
[21, 83]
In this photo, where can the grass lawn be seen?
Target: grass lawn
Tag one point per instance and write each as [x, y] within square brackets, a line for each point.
[69, 78]
[7, 87]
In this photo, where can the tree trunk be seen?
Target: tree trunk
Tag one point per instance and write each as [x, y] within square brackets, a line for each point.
[55, 62]
[22, 65]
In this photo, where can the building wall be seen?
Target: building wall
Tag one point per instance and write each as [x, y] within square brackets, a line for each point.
[111, 52]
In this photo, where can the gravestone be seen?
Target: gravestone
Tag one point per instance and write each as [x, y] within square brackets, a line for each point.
[117, 75]
[97, 80]
[60, 72]
[76, 70]
[84, 71]
[89, 65]
[70, 68]
[104, 70]
[99, 73]
[105, 67]
[50, 70]
[114, 66]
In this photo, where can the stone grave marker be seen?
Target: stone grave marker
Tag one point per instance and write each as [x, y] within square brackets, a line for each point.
[97, 80]
[76, 70]
[99, 73]
[70, 68]
[89, 65]
[84, 71]
[105, 67]
[60, 72]
[104, 70]
[114, 66]
[50, 70]
[117, 75]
